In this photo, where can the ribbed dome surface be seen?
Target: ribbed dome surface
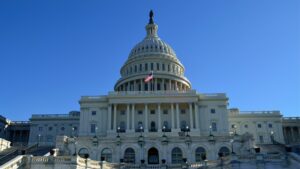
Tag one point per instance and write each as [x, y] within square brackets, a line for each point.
[150, 46]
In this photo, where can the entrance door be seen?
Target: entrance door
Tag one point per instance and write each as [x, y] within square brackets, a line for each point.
[153, 157]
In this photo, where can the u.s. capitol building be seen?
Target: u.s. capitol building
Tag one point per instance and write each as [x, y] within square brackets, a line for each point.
[163, 120]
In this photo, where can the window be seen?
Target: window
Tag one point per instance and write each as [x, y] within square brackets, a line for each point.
[246, 125]
[183, 125]
[122, 112]
[214, 126]
[93, 128]
[50, 128]
[75, 128]
[270, 125]
[62, 128]
[163, 67]
[83, 152]
[169, 68]
[140, 112]
[233, 126]
[152, 127]
[129, 156]
[146, 66]
[130, 69]
[135, 68]
[157, 66]
[122, 126]
[93, 113]
[40, 128]
[182, 111]
[151, 66]
[176, 156]
[165, 111]
[200, 154]
[106, 155]
[261, 139]
[141, 67]
[212, 111]
[152, 112]
[158, 86]
[224, 151]
[259, 125]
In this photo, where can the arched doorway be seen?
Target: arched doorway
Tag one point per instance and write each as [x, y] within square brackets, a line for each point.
[153, 157]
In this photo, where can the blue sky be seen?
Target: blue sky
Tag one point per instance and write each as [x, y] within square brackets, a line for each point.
[54, 52]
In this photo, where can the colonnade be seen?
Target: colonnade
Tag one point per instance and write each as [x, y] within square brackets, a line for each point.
[155, 84]
[291, 134]
[174, 109]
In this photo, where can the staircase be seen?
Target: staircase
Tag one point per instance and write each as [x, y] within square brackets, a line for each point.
[13, 152]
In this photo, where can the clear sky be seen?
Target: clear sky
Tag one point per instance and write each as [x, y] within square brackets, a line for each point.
[53, 52]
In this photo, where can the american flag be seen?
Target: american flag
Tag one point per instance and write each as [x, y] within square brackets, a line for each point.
[149, 77]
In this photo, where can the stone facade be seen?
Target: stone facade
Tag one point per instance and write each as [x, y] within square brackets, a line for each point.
[45, 127]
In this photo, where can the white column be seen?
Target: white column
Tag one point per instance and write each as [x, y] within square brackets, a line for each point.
[109, 117]
[134, 86]
[191, 116]
[132, 113]
[159, 117]
[176, 87]
[127, 114]
[142, 85]
[163, 84]
[170, 85]
[196, 116]
[115, 117]
[146, 117]
[172, 116]
[177, 116]
[155, 84]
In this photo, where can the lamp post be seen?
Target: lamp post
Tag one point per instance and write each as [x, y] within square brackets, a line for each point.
[187, 130]
[211, 136]
[75, 147]
[272, 137]
[231, 141]
[141, 131]
[118, 131]
[39, 140]
[164, 130]
[73, 129]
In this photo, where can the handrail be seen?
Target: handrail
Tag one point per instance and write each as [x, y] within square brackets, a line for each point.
[15, 152]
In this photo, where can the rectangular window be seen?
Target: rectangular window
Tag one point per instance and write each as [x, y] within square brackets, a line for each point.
[168, 68]
[151, 66]
[261, 139]
[212, 111]
[93, 128]
[246, 126]
[182, 111]
[93, 113]
[140, 112]
[157, 66]
[40, 128]
[214, 126]
[165, 112]
[146, 66]
[259, 125]
[163, 67]
[270, 125]
[152, 112]
[135, 68]
[141, 67]
[122, 112]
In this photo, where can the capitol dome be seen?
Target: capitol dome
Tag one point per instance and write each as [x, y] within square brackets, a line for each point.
[152, 55]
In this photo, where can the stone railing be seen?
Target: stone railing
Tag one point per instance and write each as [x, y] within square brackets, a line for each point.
[15, 163]
[4, 144]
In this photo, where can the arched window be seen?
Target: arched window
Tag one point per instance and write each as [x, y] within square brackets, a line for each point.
[83, 152]
[129, 156]
[106, 154]
[224, 151]
[200, 154]
[176, 156]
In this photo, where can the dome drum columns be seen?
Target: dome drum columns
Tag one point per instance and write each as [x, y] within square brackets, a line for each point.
[156, 84]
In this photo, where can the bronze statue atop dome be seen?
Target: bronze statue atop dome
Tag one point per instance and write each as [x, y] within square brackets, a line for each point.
[151, 17]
